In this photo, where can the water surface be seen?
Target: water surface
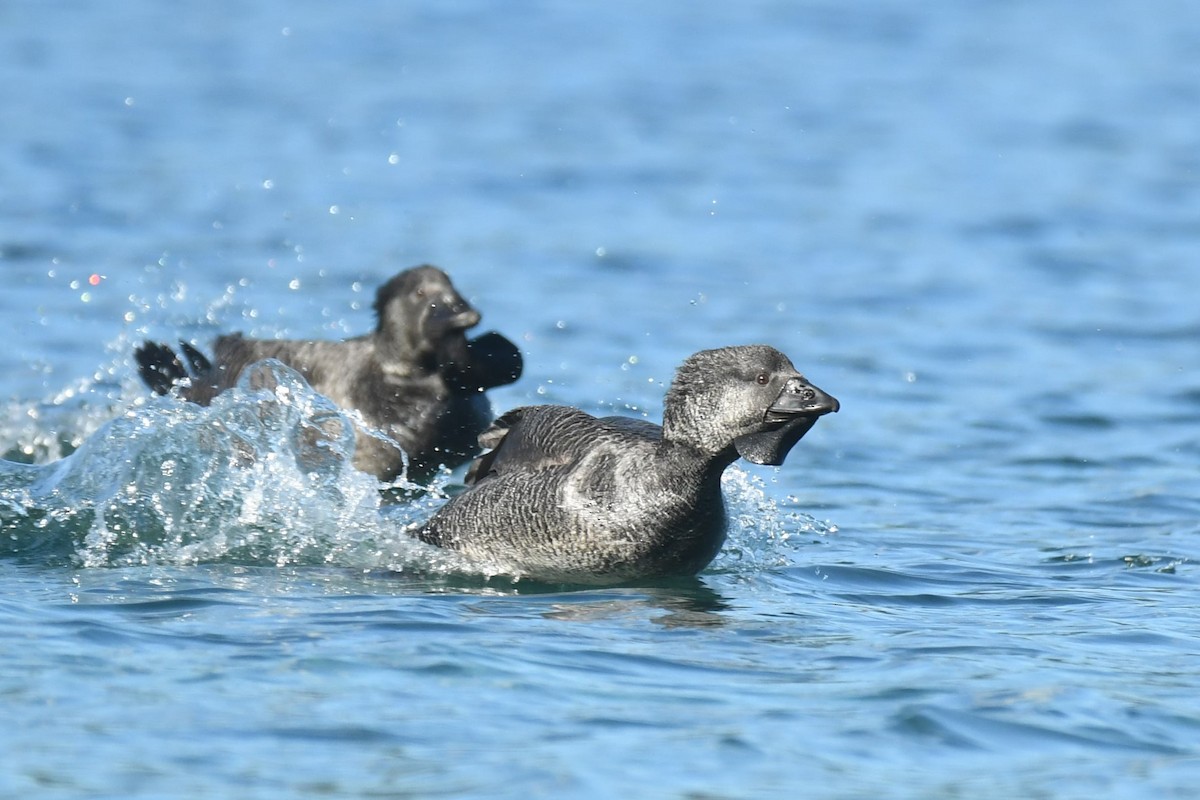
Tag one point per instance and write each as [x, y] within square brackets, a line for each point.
[975, 225]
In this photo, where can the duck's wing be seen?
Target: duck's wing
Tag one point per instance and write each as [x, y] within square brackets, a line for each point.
[196, 360]
[641, 428]
[159, 366]
[233, 352]
[488, 361]
[533, 438]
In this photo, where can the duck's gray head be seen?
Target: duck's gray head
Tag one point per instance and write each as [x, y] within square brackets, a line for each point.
[746, 401]
[421, 316]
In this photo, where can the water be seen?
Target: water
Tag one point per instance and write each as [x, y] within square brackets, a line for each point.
[976, 225]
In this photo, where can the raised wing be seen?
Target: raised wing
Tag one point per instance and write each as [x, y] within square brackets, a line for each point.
[532, 438]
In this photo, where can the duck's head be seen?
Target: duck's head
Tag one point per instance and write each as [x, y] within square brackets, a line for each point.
[419, 314]
[746, 401]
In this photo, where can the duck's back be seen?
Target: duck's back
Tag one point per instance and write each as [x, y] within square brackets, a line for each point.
[539, 440]
[332, 368]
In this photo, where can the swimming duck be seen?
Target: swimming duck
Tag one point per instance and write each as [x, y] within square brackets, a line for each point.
[416, 377]
[563, 496]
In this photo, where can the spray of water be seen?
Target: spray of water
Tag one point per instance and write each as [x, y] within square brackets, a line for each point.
[264, 476]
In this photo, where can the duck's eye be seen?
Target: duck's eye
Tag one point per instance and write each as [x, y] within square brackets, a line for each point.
[763, 379]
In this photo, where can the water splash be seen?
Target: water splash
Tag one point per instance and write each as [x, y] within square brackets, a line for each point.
[262, 476]
[762, 536]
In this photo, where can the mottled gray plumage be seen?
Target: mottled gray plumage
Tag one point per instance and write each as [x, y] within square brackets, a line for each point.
[565, 496]
[416, 377]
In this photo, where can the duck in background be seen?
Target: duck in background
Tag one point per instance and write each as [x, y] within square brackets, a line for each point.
[416, 378]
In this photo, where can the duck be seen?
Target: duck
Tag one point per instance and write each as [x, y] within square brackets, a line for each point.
[562, 496]
[416, 378]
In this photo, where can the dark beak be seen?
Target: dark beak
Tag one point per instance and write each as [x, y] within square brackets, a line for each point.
[456, 314]
[786, 421]
[801, 398]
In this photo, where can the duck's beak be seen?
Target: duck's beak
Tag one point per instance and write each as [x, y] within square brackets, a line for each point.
[786, 421]
[453, 313]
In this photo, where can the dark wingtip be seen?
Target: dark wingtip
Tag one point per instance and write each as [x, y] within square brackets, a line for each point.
[198, 361]
[491, 440]
[490, 361]
[159, 367]
[480, 468]
[495, 361]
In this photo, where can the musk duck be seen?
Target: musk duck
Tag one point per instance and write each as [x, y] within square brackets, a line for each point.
[562, 496]
[417, 378]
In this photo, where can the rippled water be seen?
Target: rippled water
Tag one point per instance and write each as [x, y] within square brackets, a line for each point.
[976, 225]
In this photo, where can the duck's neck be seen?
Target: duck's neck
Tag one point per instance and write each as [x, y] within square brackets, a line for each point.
[693, 466]
[688, 425]
[393, 350]
[709, 457]
[694, 483]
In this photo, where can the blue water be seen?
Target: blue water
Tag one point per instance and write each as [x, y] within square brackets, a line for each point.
[977, 225]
